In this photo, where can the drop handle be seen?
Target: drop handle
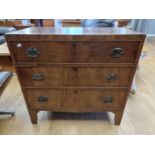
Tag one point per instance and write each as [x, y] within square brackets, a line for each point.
[32, 52]
[42, 99]
[38, 76]
[117, 52]
[112, 77]
[108, 99]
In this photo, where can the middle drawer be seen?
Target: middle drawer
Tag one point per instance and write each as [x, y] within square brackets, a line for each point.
[80, 76]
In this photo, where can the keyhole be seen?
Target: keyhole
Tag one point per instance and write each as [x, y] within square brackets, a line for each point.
[75, 69]
[74, 44]
[75, 92]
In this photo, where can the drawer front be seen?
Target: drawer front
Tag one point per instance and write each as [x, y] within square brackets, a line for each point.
[41, 51]
[97, 76]
[75, 76]
[106, 52]
[41, 76]
[43, 99]
[93, 98]
[76, 52]
[48, 99]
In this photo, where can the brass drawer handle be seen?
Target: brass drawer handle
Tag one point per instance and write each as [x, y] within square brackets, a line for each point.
[112, 77]
[42, 99]
[108, 99]
[117, 52]
[37, 76]
[32, 52]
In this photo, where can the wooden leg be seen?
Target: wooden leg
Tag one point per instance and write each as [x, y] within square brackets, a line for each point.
[118, 117]
[33, 116]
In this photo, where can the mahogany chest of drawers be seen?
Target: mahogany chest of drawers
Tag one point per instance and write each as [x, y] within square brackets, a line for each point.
[75, 69]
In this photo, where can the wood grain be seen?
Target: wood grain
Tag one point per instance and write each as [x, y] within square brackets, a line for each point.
[75, 89]
[54, 99]
[74, 99]
[76, 52]
[75, 76]
[75, 34]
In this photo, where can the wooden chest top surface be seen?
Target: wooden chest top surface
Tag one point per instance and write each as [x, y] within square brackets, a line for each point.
[77, 34]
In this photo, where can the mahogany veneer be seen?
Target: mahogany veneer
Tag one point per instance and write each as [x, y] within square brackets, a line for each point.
[75, 69]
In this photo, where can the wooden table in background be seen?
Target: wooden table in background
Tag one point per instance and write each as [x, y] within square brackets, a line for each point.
[123, 22]
[5, 58]
[71, 23]
[9, 22]
[23, 26]
[4, 51]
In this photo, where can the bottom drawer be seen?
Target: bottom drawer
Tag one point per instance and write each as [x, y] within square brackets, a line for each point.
[43, 99]
[93, 98]
[72, 99]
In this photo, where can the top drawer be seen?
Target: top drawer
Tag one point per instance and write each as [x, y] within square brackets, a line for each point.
[76, 52]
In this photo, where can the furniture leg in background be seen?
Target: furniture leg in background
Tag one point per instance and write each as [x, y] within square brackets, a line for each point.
[4, 80]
